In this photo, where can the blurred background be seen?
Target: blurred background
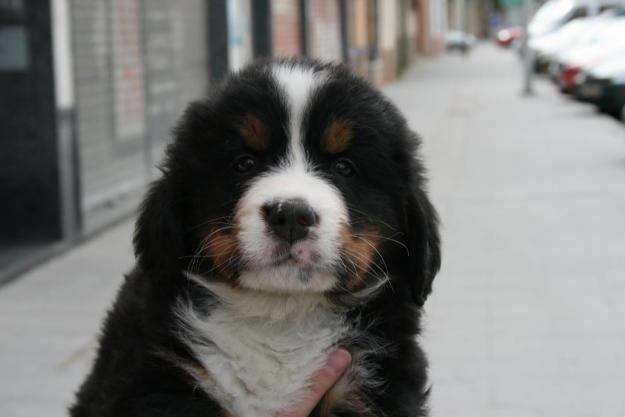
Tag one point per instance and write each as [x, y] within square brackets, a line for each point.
[520, 104]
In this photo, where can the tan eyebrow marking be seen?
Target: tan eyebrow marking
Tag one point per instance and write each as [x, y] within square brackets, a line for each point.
[337, 136]
[254, 133]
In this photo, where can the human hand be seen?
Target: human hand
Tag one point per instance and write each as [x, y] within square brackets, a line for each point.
[322, 381]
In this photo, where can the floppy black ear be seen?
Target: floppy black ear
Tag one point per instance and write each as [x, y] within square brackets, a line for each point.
[423, 242]
[158, 237]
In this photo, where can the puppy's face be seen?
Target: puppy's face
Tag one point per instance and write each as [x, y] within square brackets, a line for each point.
[293, 177]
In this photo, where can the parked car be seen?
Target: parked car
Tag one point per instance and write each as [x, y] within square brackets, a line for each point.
[555, 13]
[572, 34]
[509, 36]
[606, 43]
[461, 41]
[604, 85]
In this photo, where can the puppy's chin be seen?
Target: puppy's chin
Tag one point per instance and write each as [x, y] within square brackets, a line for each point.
[287, 278]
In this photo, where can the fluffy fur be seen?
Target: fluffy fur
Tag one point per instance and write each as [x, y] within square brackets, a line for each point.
[226, 313]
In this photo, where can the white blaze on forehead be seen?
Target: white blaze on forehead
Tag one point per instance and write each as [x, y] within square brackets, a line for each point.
[293, 178]
[298, 85]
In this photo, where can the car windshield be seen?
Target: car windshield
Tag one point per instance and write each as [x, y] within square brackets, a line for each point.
[549, 15]
[574, 26]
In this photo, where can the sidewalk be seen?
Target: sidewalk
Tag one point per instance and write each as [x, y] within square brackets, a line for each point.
[49, 319]
[526, 318]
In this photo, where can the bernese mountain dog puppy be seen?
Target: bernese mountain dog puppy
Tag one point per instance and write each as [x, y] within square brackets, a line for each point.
[291, 219]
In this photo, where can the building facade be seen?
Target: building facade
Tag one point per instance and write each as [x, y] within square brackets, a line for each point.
[92, 88]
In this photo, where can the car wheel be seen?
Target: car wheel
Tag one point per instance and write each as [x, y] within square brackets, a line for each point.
[610, 110]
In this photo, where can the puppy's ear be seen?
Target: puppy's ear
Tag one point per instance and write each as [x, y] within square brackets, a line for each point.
[158, 237]
[423, 242]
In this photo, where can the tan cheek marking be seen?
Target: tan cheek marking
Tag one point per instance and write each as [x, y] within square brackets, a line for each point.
[337, 137]
[359, 249]
[193, 368]
[254, 133]
[221, 247]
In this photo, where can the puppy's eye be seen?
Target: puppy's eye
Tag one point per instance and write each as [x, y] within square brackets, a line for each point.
[344, 167]
[244, 163]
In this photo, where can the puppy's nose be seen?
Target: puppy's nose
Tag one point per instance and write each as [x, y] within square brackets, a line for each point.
[290, 219]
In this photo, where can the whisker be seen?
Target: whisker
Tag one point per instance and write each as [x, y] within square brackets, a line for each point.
[374, 248]
[390, 239]
[368, 216]
[214, 220]
[370, 264]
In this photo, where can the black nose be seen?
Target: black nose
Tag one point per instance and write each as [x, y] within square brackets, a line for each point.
[290, 219]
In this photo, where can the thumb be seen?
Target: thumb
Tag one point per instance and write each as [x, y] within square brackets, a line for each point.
[322, 381]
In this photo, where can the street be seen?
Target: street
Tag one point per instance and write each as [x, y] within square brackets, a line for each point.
[526, 318]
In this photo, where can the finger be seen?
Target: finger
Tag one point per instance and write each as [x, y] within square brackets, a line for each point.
[322, 381]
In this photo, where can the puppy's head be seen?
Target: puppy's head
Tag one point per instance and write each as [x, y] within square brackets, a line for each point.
[292, 177]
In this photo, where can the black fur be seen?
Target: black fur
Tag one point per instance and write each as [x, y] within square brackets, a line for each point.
[131, 378]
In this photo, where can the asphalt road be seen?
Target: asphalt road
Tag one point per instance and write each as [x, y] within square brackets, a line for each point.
[527, 317]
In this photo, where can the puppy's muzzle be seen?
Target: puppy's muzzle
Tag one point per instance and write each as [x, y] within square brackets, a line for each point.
[290, 220]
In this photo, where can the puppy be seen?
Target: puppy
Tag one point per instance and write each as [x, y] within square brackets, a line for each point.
[291, 219]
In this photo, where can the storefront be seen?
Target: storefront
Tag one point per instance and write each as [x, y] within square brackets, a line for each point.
[31, 213]
[92, 88]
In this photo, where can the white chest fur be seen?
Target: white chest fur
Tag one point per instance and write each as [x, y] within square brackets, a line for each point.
[259, 349]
